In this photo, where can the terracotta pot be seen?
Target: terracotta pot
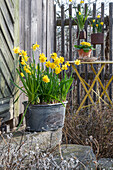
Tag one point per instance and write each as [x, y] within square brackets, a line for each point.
[81, 35]
[97, 38]
[83, 54]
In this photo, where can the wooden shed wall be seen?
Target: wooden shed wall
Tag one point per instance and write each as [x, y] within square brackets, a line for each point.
[9, 36]
[37, 24]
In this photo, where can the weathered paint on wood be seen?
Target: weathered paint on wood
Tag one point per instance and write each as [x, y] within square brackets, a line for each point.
[9, 37]
[37, 24]
[111, 42]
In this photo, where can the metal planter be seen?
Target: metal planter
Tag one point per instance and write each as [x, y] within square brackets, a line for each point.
[97, 38]
[44, 117]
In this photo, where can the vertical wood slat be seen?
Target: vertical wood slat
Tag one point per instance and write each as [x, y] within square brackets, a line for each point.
[44, 38]
[22, 23]
[102, 46]
[94, 52]
[78, 68]
[70, 49]
[111, 42]
[55, 27]
[86, 68]
[62, 31]
[27, 28]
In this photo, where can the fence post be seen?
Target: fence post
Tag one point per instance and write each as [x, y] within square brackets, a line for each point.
[55, 27]
[94, 52]
[111, 41]
[70, 51]
[62, 31]
[102, 46]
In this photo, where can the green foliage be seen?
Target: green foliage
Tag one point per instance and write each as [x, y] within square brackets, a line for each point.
[40, 90]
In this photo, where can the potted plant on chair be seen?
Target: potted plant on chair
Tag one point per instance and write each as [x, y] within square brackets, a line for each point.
[45, 108]
[97, 37]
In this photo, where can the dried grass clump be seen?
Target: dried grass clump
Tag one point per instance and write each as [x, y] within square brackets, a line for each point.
[96, 125]
[26, 154]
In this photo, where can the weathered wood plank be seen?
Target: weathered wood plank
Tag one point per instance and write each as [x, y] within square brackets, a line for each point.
[62, 32]
[16, 43]
[79, 70]
[44, 27]
[111, 42]
[9, 23]
[94, 52]
[86, 67]
[6, 32]
[28, 26]
[6, 109]
[55, 28]
[39, 22]
[102, 46]
[6, 55]
[11, 9]
[22, 23]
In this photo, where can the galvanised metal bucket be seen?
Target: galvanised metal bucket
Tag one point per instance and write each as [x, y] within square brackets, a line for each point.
[44, 117]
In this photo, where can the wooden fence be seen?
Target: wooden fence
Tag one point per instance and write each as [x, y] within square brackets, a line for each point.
[106, 49]
[8, 38]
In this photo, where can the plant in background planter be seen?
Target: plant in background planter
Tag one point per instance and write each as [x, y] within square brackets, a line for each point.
[84, 50]
[97, 37]
[45, 108]
[81, 16]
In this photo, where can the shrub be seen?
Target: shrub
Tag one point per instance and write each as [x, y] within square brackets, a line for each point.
[96, 125]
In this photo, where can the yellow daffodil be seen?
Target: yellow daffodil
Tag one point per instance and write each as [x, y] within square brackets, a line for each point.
[61, 60]
[67, 63]
[98, 16]
[93, 20]
[57, 70]
[70, 0]
[79, 13]
[52, 65]
[101, 23]
[28, 67]
[81, 2]
[96, 25]
[54, 56]
[16, 50]
[46, 79]
[35, 46]
[24, 53]
[57, 61]
[42, 58]
[23, 61]
[28, 71]
[77, 62]
[25, 67]
[25, 58]
[64, 67]
[22, 74]
[48, 64]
